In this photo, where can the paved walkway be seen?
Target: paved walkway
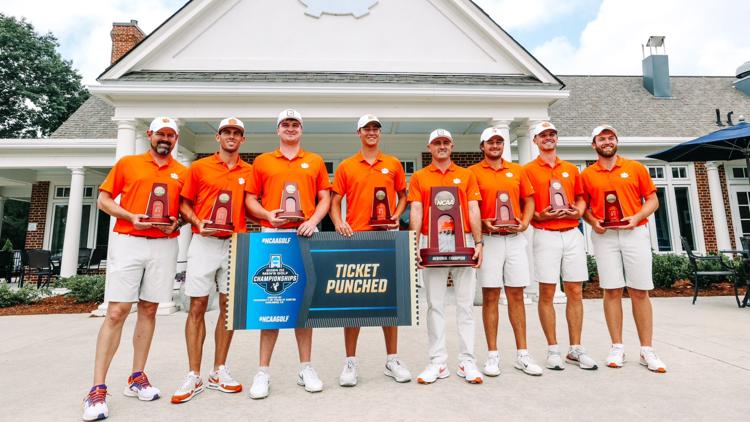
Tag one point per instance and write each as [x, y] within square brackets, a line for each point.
[46, 370]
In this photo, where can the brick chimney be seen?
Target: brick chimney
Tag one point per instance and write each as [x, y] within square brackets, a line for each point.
[125, 36]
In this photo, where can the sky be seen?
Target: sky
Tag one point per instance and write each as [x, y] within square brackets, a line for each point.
[570, 37]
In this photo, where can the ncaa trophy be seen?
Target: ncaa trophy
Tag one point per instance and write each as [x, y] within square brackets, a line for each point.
[558, 200]
[221, 214]
[290, 203]
[612, 211]
[380, 219]
[158, 206]
[504, 215]
[446, 248]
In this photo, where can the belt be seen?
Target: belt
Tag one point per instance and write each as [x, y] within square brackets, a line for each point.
[500, 234]
[556, 230]
[143, 237]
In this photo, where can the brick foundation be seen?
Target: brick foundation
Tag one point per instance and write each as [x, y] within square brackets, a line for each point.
[463, 159]
[37, 214]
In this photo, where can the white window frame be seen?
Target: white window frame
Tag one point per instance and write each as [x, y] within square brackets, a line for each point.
[734, 185]
[53, 201]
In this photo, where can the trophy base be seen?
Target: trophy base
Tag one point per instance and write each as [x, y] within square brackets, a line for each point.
[158, 221]
[292, 217]
[613, 223]
[561, 208]
[381, 224]
[462, 257]
[220, 227]
[504, 223]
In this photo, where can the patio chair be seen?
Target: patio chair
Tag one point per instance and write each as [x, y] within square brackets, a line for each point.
[95, 263]
[84, 256]
[40, 264]
[725, 270]
[745, 241]
[20, 262]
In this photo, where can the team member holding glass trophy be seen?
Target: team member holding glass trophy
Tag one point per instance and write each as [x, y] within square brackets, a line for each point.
[445, 215]
[213, 202]
[289, 191]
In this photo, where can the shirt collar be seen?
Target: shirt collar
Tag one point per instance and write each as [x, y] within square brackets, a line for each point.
[278, 154]
[543, 163]
[361, 158]
[217, 160]
[149, 158]
[618, 163]
[503, 164]
[433, 168]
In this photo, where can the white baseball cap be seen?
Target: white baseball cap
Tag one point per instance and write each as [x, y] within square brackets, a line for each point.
[439, 133]
[161, 122]
[367, 118]
[232, 122]
[289, 114]
[599, 129]
[541, 127]
[488, 133]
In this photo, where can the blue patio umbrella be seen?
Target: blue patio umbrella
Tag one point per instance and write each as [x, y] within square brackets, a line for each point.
[732, 143]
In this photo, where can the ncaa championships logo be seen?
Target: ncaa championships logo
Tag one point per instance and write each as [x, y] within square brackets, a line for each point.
[444, 200]
[275, 277]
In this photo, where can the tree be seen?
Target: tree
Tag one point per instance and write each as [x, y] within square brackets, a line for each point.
[38, 88]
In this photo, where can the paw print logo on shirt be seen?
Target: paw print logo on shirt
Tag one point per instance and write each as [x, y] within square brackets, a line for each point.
[385, 171]
[508, 175]
[624, 175]
[241, 181]
[565, 174]
[456, 181]
[174, 176]
[305, 165]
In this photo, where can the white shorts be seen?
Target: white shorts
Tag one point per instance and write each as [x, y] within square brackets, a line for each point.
[140, 268]
[207, 266]
[505, 262]
[623, 258]
[559, 254]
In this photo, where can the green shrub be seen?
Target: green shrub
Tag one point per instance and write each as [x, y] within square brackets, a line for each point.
[668, 268]
[23, 296]
[85, 288]
[8, 246]
[591, 264]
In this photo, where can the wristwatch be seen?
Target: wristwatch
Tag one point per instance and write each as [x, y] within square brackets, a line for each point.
[480, 242]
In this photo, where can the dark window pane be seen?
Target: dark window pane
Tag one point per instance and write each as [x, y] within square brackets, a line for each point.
[329, 167]
[744, 212]
[742, 198]
[102, 230]
[661, 221]
[745, 227]
[737, 173]
[684, 220]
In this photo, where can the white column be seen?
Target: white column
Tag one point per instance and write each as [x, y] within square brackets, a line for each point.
[125, 138]
[504, 126]
[721, 228]
[2, 213]
[71, 242]
[142, 143]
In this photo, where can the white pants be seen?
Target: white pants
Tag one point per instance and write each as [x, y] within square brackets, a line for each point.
[505, 262]
[140, 268]
[560, 253]
[623, 258]
[207, 266]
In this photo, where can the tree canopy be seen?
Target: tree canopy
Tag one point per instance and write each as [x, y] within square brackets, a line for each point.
[38, 88]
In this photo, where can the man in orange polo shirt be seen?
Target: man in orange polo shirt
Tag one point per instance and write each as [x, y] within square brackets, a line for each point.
[623, 253]
[141, 258]
[356, 178]
[214, 203]
[273, 172]
[559, 248]
[443, 172]
[505, 263]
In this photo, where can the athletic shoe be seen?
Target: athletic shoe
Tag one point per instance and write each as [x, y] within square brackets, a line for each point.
[192, 386]
[578, 356]
[95, 404]
[469, 371]
[397, 370]
[261, 385]
[492, 366]
[222, 380]
[526, 363]
[554, 360]
[348, 377]
[616, 357]
[652, 362]
[308, 378]
[432, 373]
[138, 386]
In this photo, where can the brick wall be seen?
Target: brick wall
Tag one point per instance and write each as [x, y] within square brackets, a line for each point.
[463, 159]
[727, 206]
[704, 199]
[37, 214]
[124, 37]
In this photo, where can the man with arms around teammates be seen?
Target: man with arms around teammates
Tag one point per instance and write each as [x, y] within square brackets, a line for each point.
[559, 248]
[141, 258]
[443, 172]
[623, 253]
[505, 263]
[271, 171]
[214, 182]
[356, 179]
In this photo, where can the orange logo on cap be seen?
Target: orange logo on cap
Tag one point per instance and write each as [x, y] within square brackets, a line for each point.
[232, 122]
[290, 113]
[165, 120]
[545, 124]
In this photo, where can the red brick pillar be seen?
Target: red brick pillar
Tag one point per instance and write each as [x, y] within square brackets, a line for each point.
[37, 215]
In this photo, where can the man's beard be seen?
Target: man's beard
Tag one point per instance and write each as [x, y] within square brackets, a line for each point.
[606, 154]
[162, 148]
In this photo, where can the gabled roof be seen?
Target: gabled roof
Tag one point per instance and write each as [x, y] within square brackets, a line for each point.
[622, 102]
[92, 120]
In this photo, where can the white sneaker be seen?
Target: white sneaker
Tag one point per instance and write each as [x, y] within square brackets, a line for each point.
[492, 366]
[222, 380]
[139, 386]
[261, 385]
[652, 362]
[397, 370]
[578, 356]
[348, 377]
[432, 373]
[526, 363]
[95, 404]
[554, 360]
[616, 357]
[469, 371]
[310, 380]
[192, 386]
